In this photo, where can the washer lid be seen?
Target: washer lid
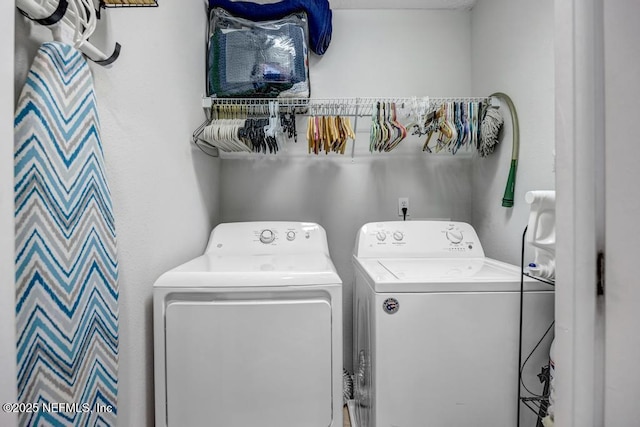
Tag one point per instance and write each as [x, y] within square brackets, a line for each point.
[444, 275]
[232, 271]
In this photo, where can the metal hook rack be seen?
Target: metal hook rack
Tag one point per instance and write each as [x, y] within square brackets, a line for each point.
[57, 12]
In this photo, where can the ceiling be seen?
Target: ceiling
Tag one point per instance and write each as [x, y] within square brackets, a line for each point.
[402, 4]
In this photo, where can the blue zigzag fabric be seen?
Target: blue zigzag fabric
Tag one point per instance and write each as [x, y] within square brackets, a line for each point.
[66, 266]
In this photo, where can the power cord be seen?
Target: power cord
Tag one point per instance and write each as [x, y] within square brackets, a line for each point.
[404, 214]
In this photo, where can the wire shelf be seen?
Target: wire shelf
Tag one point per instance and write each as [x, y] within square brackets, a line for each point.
[538, 404]
[415, 107]
[358, 106]
[128, 3]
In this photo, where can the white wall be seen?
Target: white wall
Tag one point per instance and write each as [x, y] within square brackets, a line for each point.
[622, 62]
[579, 134]
[512, 52]
[373, 53]
[165, 191]
[7, 287]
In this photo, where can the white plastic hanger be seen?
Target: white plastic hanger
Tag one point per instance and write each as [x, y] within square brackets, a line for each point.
[77, 24]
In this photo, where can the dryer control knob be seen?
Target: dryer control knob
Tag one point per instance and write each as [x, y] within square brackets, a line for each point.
[291, 235]
[398, 235]
[381, 235]
[267, 236]
[455, 236]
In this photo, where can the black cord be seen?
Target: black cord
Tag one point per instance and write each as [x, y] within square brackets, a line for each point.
[529, 357]
[404, 214]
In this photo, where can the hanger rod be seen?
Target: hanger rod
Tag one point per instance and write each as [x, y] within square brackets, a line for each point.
[357, 107]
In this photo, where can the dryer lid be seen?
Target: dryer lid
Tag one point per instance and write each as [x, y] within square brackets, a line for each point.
[444, 275]
[231, 271]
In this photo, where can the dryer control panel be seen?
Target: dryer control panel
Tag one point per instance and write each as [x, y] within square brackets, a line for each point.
[418, 239]
[267, 237]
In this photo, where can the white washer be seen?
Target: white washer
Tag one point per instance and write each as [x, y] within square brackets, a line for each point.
[250, 333]
[436, 328]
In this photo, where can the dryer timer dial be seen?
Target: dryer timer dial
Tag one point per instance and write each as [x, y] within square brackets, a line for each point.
[454, 236]
[267, 236]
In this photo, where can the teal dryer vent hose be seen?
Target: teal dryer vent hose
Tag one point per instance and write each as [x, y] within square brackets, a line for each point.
[507, 198]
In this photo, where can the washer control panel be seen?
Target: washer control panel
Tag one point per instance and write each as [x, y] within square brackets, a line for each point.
[289, 234]
[273, 237]
[437, 239]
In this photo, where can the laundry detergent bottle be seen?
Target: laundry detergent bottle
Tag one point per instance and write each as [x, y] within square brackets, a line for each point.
[541, 233]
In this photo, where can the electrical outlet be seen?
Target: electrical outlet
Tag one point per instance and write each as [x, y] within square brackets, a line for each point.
[403, 202]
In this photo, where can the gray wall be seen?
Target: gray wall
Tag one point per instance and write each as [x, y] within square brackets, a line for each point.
[374, 53]
[512, 52]
[7, 287]
[622, 68]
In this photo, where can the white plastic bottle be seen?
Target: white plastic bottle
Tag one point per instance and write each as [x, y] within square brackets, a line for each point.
[541, 232]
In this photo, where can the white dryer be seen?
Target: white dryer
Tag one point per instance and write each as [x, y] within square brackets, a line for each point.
[250, 333]
[436, 329]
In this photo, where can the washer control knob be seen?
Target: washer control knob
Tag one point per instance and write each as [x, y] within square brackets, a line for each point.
[455, 236]
[381, 235]
[291, 235]
[267, 236]
[398, 236]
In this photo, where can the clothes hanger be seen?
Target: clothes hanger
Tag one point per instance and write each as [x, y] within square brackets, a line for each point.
[310, 134]
[389, 129]
[375, 128]
[317, 134]
[464, 118]
[384, 130]
[86, 20]
[435, 127]
[341, 135]
[236, 135]
[401, 130]
[448, 130]
[335, 134]
[328, 135]
[454, 144]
